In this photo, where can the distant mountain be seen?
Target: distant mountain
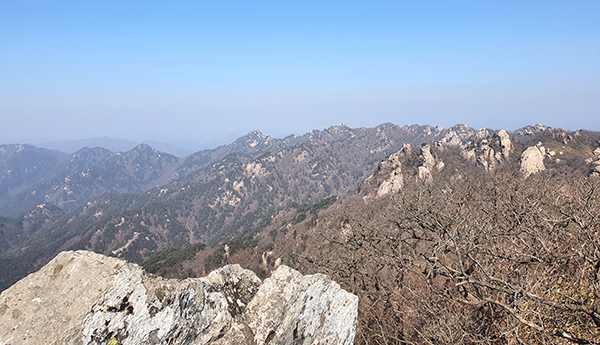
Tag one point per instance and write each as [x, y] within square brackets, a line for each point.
[91, 172]
[136, 203]
[120, 145]
[72, 146]
[224, 140]
[170, 149]
[33, 176]
[425, 212]
[21, 166]
[213, 194]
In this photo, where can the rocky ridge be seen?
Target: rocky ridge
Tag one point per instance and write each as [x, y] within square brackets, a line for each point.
[490, 150]
[87, 298]
[31, 176]
[222, 192]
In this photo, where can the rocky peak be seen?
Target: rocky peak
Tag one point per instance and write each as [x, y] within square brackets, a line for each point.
[86, 298]
[143, 148]
[428, 159]
[388, 178]
[146, 152]
[430, 164]
[393, 167]
[141, 153]
[482, 133]
[531, 130]
[334, 128]
[505, 144]
[257, 133]
[457, 135]
[410, 128]
[532, 160]
[255, 140]
[483, 153]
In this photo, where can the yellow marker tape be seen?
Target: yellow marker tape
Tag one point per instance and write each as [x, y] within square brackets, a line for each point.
[71, 267]
[113, 341]
[105, 309]
[167, 293]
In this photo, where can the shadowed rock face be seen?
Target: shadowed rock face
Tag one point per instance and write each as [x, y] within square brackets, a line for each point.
[86, 298]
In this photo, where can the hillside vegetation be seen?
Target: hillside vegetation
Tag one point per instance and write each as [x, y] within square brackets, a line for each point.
[463, 257]
[446, 235]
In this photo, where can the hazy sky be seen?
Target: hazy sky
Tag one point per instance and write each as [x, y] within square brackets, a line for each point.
[168, 70]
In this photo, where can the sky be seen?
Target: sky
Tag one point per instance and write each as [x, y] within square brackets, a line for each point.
[203, 70]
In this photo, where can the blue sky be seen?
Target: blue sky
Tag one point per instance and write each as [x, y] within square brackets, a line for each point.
[200, 70]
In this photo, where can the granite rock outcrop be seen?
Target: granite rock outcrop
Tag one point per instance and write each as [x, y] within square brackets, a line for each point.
[85, 298]
[484, 155]
[532, 160]
[395, 179]
[596, 163]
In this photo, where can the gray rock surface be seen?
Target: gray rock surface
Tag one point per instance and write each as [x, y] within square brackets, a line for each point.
[486, 157]
[595, 164]
[505, 144]
[430, 164]
[532, 160]
[457, 135]
[395, 180]
[291, 308]
[483, 153]
[428, 159]
[596, 169]
[423, 173]
[86, 298]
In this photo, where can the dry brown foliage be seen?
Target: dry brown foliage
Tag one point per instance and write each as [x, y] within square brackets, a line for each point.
[494, 259]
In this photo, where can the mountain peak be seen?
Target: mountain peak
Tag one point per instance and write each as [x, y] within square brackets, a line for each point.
[256, 133]
[254, 139]
[143, 147]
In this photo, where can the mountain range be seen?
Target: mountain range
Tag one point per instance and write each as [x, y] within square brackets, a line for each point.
[138, 203]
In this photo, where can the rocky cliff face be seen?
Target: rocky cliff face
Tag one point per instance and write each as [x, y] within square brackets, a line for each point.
[532, 160]
[86, 298]
[491, 150]
[393, 167]
[430, 164]
[596, 163]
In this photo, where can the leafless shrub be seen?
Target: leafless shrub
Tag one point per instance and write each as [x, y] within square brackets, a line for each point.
[472, 260]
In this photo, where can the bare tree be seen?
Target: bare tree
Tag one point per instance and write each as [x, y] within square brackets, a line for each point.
[470, 259]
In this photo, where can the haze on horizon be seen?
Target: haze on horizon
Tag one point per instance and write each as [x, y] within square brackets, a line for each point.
[195, 70]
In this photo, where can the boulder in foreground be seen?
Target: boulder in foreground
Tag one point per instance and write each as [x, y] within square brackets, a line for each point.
[86, 298]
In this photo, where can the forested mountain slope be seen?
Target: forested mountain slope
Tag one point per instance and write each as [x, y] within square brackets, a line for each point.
[459, 255]
[258, 178]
